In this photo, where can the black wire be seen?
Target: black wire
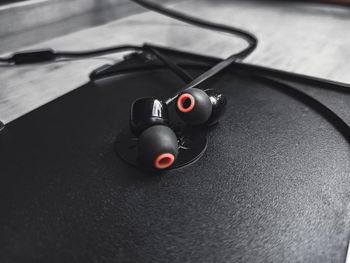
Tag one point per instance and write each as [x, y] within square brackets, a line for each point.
[250, 38]
[185, 76]
[5, 60]
[95, 52]
[175, 68]
[51, 55]
[36, 56]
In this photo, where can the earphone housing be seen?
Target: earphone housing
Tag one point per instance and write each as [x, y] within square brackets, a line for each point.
[147, 112]
[218, 102]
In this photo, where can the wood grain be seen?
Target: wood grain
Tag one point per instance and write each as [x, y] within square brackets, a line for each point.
[303, 38]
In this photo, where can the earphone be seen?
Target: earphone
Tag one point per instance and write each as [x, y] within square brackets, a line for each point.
[150, 122]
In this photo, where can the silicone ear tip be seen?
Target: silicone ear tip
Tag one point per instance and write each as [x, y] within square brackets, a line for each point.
[185, 103]
[158, 147]
[164, 160]
[194, 106]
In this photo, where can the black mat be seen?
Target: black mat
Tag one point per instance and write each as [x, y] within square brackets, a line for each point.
[273, 185]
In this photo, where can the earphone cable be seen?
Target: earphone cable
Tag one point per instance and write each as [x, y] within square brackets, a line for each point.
[249, 37]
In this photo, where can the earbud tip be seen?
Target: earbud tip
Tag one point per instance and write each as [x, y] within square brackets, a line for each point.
[193, 106]
[158, 147]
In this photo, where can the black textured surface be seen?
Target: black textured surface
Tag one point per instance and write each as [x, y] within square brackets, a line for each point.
[273, 185]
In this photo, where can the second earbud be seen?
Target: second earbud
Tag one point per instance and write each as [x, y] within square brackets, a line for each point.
[157, 143]
[198, 107]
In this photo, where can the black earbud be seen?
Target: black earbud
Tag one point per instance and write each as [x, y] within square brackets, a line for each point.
[149, 120]
[197, 107]
[157, 145]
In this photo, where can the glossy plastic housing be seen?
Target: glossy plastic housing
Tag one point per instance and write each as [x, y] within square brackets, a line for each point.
[146, 112]
[218, 102]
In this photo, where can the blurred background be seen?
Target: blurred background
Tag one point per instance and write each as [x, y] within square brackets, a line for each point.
[27, 22]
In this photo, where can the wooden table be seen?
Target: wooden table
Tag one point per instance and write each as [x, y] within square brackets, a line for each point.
[303, 38]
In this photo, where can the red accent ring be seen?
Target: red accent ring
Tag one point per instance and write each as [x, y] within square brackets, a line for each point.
[181, 101]
[164, 160]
